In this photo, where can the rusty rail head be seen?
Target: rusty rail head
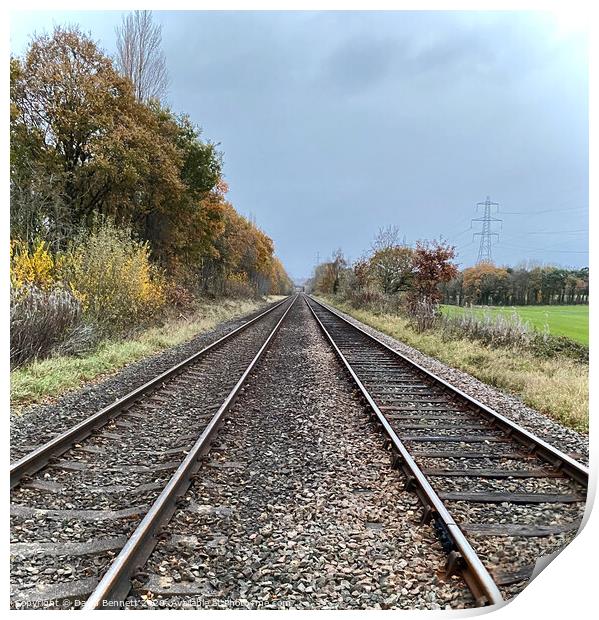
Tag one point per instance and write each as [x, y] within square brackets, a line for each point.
[572, 468]
[476, 575]
[112, 590]
[38, 458]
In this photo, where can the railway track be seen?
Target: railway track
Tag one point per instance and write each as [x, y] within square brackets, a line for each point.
[499, 497]
[87, 507]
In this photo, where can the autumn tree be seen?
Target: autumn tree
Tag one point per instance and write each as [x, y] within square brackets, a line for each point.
[327, 277]
[392, 268]
[77, 131]
[37, 204]
[81, 144]
[281, 283]
[362, 272]
[485, 284]
[432, 266]
[84, 149]
[140, 57]
[182, 229]
[241, 258]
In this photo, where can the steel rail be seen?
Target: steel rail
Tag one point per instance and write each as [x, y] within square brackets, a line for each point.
[114, 587]
[475, 574]
[569, 466]
[38, 458]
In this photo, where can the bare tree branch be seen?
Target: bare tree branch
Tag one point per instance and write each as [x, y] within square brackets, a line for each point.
[387, 238]
[140, 57]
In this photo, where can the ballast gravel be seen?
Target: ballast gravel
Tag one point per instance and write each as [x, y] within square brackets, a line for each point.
[37, 424]
[553, 432]
[297, 507]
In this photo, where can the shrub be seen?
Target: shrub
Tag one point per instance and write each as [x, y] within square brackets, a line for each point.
[489, 328]
[547, 345]
[78, 341]
[105, 278]
[178, 296]
[111, 275]
[238, 287]
[422, 312]
[39, 320]
[365, 298]
[32, 266]
[372, 299]
[512, 331]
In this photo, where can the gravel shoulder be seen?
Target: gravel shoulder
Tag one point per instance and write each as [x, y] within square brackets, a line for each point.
[569, 441]
[39, 423]
[297, 505]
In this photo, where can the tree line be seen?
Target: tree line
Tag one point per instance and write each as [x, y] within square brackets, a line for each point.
[487, 284]
[394, 274]
[119, 209]
[90, 137]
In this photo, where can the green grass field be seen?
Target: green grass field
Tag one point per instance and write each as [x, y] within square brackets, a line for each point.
[570, 321]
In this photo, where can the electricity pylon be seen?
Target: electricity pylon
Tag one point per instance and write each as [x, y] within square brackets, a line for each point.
[484, 250]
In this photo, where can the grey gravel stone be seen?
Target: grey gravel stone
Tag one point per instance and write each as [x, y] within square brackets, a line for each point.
[298, 535]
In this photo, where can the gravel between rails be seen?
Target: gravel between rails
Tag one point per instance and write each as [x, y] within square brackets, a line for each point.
[566, 439]
[298, 507]
[37, 424]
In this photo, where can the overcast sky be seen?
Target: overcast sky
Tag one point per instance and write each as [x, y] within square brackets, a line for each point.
[335, 124]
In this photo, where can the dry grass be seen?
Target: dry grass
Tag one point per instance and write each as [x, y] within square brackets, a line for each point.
[54, 376]
[556, 386]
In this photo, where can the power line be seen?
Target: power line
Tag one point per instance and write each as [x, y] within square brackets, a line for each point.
[557, 232]
[544, 211]
[487, 233]
[459, 223]
[563, 199]
[547, 232]
[456, 235]
[515, 247]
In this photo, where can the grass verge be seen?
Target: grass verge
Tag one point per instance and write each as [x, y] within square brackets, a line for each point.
[54, 376]
[556, 386]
